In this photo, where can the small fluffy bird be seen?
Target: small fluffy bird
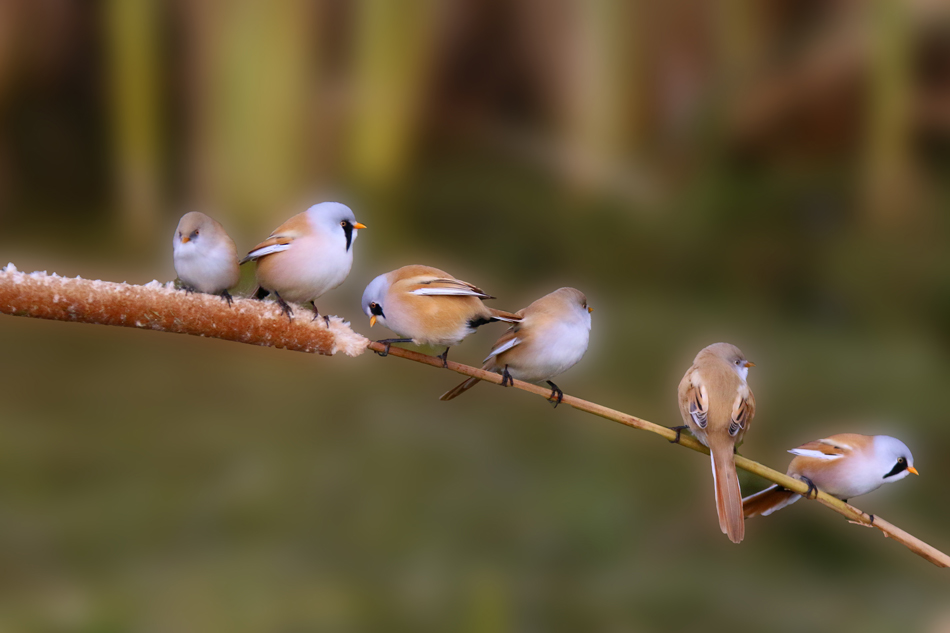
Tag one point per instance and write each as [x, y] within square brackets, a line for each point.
[551, 338]
[307, 255]
[428, 306]
[205, 256]
[717, 405]
[845, 466]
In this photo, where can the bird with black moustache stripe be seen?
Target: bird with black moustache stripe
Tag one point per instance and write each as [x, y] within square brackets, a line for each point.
[550, 339]
[718, 406]
[428, 306]
[306, 256]
[845, 466]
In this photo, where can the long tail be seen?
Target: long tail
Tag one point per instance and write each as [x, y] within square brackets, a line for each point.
[728, 495]
[768, 501]
[501, 315]
[458, 390]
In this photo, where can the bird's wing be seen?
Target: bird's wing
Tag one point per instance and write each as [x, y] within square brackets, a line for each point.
[280, 239]
[508, 340]
[273, 244]
[696, 401]
[434, 286]
[742, 411]
[826, 449]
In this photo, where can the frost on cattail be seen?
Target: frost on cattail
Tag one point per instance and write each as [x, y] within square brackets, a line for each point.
[160, 306]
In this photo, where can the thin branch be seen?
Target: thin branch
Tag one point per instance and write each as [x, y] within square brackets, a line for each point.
[161, 307]
[917, 546]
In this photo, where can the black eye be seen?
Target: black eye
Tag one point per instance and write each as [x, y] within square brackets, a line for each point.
[901, 460]
[196, 231]
[372, 304]
[343, 224]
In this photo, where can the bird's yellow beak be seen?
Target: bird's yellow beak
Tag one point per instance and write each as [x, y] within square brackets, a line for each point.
[185, 239]
[372, 320]
[359, 225]
[913, 470]
[749, 363]
[589, 309]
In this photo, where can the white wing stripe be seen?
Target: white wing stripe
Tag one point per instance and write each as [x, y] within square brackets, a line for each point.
[504, 348]
[457, 292]
[804, 452]
[267, 250]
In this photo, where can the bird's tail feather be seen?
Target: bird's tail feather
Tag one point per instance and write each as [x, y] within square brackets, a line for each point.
[501, 315]
[728, 495]
[768, 501]
[459, 389]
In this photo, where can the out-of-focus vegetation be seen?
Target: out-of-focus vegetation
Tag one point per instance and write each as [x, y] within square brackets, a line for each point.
[771, 174]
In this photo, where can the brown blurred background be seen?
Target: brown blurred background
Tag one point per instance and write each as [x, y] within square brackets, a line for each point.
[774, 174]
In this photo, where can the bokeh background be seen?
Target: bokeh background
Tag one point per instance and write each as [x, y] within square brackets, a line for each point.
[772, 174]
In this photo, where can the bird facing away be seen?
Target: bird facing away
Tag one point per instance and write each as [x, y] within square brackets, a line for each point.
[551, 338]
[717, 404]
[428, 306]
[307, 255]
[205, 256]
[845, 466]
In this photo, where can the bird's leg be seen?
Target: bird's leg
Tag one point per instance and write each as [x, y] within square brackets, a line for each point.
[445, 358]
[261, 294]
[506, 379]
[227, 297]
[188, 289]
[389, 342]
[316, 313]
[812, 488]
[679, 431]
[284, 307]
[556, 394]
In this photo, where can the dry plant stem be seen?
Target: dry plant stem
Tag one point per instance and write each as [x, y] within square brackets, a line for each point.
[917, 546]
[159, 307]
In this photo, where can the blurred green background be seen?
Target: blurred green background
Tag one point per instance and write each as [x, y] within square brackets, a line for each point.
[770, 174]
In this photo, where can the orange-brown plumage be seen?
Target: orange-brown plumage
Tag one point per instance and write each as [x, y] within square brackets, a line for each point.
[718, 406]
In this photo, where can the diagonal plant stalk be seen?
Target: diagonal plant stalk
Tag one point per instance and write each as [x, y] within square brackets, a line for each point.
[160, 307]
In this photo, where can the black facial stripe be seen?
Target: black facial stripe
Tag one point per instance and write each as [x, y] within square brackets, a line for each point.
[377, 310]
[899, 467]
[348, 231]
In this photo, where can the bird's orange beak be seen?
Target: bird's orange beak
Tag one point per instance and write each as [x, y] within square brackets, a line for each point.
[359, 225]
[185, 239]
[749, 363]
[913, 470]
[372, 320]
[589, 309]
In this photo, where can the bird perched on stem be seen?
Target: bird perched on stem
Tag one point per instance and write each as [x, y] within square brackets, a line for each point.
[205, 256]
[428, 306]
[845, 466]
[551, 338]
[717, 405]
[306, 256]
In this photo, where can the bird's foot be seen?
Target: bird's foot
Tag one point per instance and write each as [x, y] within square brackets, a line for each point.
[227, 297]
[506, 379]
[285, 307]
[445, 358]
[316, 314]
[189, 289]
[389, 342]
[812, 488]
[679, 431]
[556, 394]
